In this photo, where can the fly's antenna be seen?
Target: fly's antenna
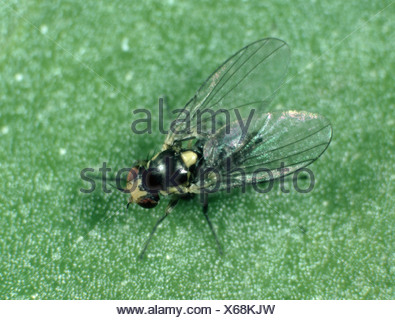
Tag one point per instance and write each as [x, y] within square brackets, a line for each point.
[126, 208]
[205, 208]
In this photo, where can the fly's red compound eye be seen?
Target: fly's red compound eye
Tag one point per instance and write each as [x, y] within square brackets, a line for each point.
[133, 174]
[149, 202]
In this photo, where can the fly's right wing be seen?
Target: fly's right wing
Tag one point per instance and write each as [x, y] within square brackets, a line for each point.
[287, 141]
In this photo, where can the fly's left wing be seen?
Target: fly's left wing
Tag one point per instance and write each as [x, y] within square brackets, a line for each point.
[286, 142]
[247, 80]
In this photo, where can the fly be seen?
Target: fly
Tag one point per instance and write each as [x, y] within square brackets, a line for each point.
[226, 136]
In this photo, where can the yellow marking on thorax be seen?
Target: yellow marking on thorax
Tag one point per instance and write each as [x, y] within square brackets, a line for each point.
[189, 158]
[173, 190]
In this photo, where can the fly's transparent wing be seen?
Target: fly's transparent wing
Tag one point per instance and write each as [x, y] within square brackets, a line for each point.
[242, 86]
[286, 142]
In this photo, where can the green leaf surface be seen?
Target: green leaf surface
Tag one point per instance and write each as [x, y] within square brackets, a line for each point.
[72, 72]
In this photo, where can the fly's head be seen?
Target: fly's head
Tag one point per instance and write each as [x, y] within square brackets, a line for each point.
[139, 192]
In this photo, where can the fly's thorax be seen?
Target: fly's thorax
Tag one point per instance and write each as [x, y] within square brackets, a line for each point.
[170, 169]
[168, 172]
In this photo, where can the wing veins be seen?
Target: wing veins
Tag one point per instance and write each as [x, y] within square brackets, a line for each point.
[230, 77]
[291, 155]
[287, 173]
[239, 106]
[249, 73]
[287, 145]
[233, 178]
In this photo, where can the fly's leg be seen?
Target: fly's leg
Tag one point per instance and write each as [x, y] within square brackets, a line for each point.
[141, 255]
[170, 207]
[205, 209]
